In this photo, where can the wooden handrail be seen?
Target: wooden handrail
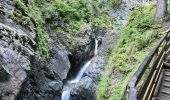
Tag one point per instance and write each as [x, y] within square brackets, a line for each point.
[136, 77]
[131, 90]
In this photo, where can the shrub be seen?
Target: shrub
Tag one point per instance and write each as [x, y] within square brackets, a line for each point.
[70, 13]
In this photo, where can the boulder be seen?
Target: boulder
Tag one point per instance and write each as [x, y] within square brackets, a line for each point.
[59, 63]
[83, 90]
[94, 71]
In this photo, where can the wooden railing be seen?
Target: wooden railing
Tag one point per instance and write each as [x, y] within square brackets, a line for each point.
[137, 89]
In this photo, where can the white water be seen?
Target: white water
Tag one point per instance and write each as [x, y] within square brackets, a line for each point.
[96, 46]
[146, 1]
[80, 74]
[66, 93]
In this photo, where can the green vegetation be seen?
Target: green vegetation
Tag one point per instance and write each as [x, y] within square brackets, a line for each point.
[115, 3]
[62, 16]
[137, 38]
[168, 6]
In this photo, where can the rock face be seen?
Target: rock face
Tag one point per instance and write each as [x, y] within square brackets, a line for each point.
[45, 78]
[41, 83]
[14, 58]
[24, 75]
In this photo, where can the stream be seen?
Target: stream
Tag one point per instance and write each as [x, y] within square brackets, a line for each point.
[66, 90]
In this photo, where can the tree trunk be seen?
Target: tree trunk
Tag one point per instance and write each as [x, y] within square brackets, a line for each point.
[161, 10]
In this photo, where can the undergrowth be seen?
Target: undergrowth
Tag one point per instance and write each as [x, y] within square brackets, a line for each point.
[168, 8]
[63, 16]
[137, 38]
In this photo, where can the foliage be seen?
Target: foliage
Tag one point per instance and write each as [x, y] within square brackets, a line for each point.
[137, 37]
[68, 14]
[168, 6]
[115, 3]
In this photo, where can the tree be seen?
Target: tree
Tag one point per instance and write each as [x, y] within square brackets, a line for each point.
[161, 10]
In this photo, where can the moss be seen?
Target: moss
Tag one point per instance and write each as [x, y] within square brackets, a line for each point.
[43, 44]
[22, 20]
[72, 13]
[21, 6]
[168, 6]
[115, 3]
[63, 16]
[35, 14]
[136, 39]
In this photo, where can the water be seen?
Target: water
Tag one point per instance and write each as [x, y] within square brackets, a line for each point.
[96, 46]
[66, 92]
[146, 1]
[81, 72]
[65, 95]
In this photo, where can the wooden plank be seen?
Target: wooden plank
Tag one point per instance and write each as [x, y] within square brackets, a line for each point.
[144, 87]
[153, 82]
[164, 92]
[166, 65]
[158, 84]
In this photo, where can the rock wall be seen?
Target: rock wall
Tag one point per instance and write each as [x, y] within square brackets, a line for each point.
[24, 73]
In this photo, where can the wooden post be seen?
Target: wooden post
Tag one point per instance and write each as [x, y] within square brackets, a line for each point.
[133, 94]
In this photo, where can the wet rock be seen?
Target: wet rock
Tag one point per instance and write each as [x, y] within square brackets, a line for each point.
[83, 90]
[94, 71]
[56, 85]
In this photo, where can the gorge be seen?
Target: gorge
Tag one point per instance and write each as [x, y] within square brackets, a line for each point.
[73, 49]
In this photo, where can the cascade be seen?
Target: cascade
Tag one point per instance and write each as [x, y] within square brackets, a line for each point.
[66, 91]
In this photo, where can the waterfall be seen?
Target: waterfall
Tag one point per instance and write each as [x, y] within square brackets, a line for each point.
[80, 74]
[65, 95]
[96, 47]
[66, 92]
